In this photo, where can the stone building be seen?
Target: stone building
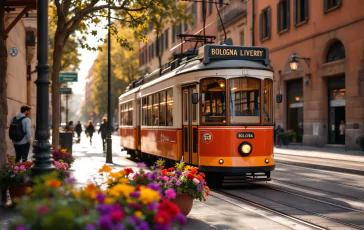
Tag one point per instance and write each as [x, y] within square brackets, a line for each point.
[328, 86]
[20, 25]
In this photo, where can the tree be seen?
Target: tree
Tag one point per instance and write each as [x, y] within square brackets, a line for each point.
[168, 13]
[77, 15]
[124, 70]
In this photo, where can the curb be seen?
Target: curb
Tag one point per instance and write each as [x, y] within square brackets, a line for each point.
[321, 167]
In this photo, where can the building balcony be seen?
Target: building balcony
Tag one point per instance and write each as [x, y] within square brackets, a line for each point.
[232, 12]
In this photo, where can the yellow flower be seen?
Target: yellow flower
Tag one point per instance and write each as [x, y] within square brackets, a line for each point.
[148, 195]
[28, 190]
[77, 194]
[116, 174]
[60, 161]
[138, 214]
[123, 180]
[63, 150]
[122, 190]
[91, 191]
[53, 183]
[109, 200]
[105, 168]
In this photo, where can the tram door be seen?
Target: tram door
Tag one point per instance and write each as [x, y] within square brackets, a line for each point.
[189, 132]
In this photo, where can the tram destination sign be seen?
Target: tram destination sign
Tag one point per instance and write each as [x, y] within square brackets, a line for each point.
[245, 135]
[223, 52]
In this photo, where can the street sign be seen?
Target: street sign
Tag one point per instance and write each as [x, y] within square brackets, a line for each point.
[66, 90]
[68, 77]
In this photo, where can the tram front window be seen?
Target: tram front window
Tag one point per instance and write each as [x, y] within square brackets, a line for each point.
[213, 100]
[245, 101]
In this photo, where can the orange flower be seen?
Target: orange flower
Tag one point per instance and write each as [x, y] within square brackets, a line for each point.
[54, 183]
[105, 168]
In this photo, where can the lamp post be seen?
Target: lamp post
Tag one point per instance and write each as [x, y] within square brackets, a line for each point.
[43, 160]
[293, 64]
[108, 139]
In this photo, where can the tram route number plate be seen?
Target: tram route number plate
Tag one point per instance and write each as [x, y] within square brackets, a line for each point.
[245, 135]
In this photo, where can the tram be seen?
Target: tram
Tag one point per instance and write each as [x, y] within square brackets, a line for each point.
[213, 110]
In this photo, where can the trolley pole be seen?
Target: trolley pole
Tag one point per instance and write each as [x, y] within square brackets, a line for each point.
[108, 139]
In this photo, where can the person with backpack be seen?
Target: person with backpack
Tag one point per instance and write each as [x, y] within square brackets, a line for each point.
[19, 133]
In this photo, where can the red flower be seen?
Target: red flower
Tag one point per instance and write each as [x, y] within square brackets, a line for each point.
[128, 171]
[193, 171]
[171, 169]
[164, 172]
[171, 208]
[190, 176]
[43, 209]
[207, 193]
[202, 174]
[117, 216]
[162, 218]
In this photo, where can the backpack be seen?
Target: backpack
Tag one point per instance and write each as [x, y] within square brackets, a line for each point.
[16, 131]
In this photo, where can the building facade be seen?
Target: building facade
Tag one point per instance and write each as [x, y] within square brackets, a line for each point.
[328, 87]
[21, 61]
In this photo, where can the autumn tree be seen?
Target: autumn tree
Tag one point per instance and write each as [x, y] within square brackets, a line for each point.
[78, 15]
[124, 65]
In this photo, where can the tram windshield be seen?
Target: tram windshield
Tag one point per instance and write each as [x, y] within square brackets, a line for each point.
[245, 101]
[213, 100]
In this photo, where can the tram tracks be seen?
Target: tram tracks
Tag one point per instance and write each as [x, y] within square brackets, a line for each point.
[308, 215]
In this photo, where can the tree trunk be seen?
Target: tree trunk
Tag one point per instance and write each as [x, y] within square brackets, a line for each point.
[56, 68]
[3, 88]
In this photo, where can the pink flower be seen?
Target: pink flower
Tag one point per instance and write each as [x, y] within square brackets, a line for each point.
[170, 193]
[196, 181]
[22, 167]
[164, 178]
[43, 209]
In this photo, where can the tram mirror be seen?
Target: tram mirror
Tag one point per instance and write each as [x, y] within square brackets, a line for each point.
[279, 98]
[195, 98]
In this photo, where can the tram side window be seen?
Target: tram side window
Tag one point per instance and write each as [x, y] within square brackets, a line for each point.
[213, 100]
[144, 110]
[125, 113]
[268, 102]
[149, 113]
[120, 114]
[162, 108]
[170, 107]
[245, 101]
[155, 109]
[130, 113]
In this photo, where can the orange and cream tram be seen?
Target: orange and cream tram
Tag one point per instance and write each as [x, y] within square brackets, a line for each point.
[213, 110]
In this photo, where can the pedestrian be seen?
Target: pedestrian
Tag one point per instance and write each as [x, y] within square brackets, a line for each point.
[90, 130]
[279, 138]
[104, 131]
[78, 131]
[342, 132]
[19, 133]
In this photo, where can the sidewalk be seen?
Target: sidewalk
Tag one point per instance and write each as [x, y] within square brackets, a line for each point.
[333, 159]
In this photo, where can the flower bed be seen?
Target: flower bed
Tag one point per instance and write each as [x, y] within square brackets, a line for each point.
[62, 155]
[119, 203]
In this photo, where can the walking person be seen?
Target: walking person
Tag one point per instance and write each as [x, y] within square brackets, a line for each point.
[19, 133]
[78, 131]
[90, 130]
[342, 132]
[103, 129]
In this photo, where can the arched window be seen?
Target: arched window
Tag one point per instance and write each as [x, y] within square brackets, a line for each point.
[336, 52]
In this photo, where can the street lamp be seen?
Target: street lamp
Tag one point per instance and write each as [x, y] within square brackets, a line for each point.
[108, 139]
[43, 160]
[293, 64]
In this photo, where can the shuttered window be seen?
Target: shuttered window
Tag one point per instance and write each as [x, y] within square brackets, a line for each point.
[300, 11]
[283, 15]
[166, 33]
[331, 4]
[174, 34]
[265, 21]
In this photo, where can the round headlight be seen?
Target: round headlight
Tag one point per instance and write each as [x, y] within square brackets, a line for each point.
[221, 161]
[245, 148]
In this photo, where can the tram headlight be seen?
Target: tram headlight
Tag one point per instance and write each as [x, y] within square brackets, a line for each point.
[266, 160]
[221, 161]
[245, 148]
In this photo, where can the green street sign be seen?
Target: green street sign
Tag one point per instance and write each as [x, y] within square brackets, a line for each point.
[66, 90]
[68, 77]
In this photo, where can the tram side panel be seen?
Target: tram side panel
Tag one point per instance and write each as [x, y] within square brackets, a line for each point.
[219, 149]
[166, 143]
[128, 137]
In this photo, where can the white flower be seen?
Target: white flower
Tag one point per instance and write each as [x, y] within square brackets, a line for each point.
[196, 181]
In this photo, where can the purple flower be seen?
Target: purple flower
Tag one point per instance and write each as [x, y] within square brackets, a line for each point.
[133, 220]
[169, 183]
[154, 187]
[181, 218]
[178, 183]
[170, 193]
[90, 227]
[152, 176]
[119, 227]
[105, 222]
[100, 197]
[135, 194]
[141, 164]
[178, 173]
[104, 208]
[153, 206]
[199, 189]
[143, 226]
[21, 228]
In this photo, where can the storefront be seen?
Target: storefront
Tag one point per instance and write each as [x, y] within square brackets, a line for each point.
[295, 108]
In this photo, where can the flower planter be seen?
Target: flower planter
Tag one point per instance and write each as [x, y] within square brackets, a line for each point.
[18, 190]
[184, 202]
